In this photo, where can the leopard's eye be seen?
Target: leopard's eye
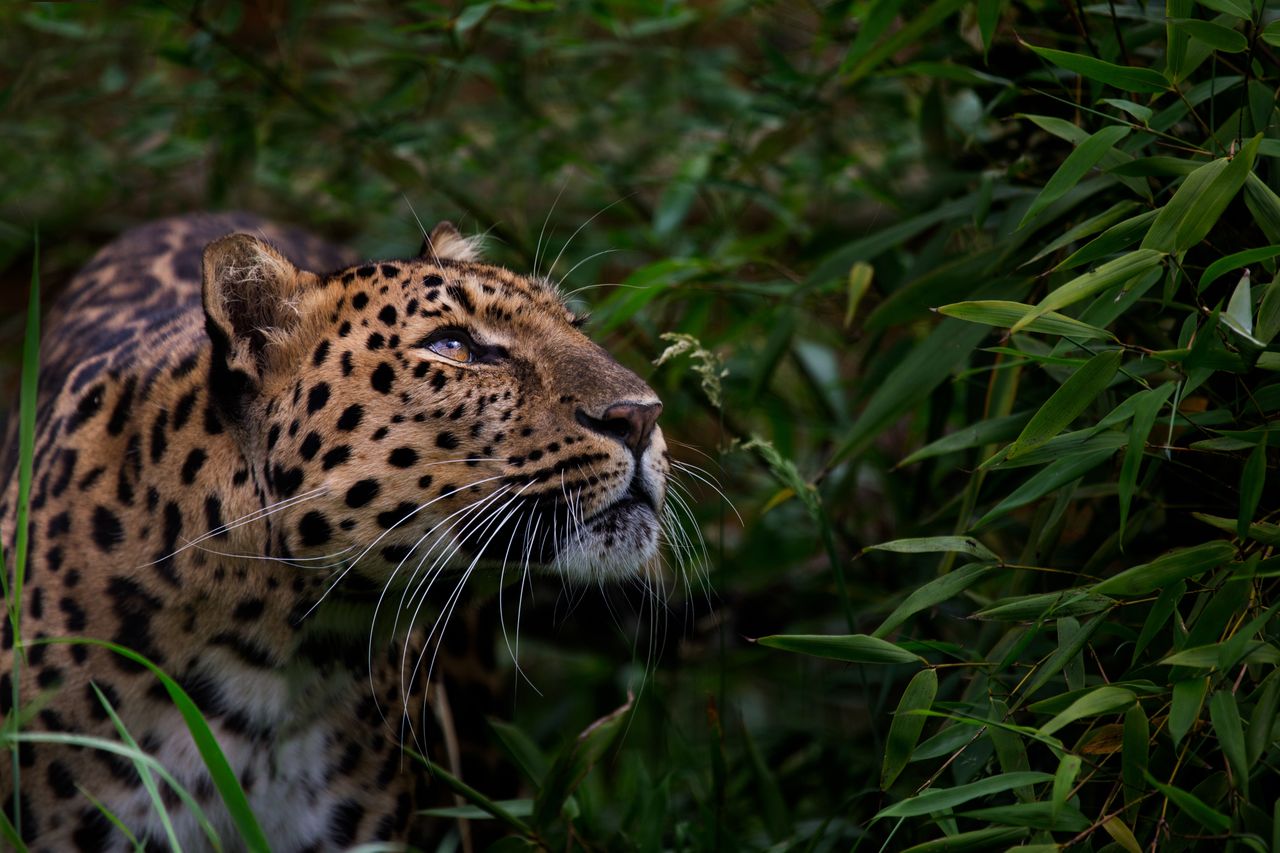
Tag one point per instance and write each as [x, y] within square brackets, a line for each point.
[452, 348]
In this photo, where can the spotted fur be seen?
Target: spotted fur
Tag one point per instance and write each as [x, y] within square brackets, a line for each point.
[246, 467]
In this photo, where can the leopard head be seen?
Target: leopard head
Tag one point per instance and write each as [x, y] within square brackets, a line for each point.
[406, 417]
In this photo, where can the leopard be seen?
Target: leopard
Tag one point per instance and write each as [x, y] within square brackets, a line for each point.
[267, 468]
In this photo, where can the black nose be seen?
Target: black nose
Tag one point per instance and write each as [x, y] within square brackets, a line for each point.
[630, 423]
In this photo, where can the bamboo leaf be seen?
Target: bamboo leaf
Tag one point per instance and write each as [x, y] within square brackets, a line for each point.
[1263, 719]
[1122, 269]
[1145, 411]
[1063, 779]
[851, 648]
[1122, 835]
[1116, 237]
[1104, 700]
[1208, 657]
[1073, 169]
[915, 377]
[1072, 398]
[1199, 201]
[905, 729]
[1034, 815]
[934, 592]
[1194, 807]
[1235, 8]
[938, 544]
[1268, 322]
[1005, 314]
[1052, 476]
[1216, 36]
[981, 433]
[937, 799]
[860, 275]
[1045, 605]
[1227, 725]
[1252, 479]
[1222, 266]
[1134, 755]
[976, 840]
[1174, 566]
[1188, 698]
[1123, 77]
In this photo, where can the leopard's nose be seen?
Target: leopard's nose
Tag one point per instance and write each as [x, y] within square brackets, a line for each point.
[630, 423]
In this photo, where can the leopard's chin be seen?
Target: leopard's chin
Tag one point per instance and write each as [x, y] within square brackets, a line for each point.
[618, 542]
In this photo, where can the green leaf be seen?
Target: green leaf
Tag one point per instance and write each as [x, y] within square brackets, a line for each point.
[1117, 237]
[934, 592]
[1005, 314]
[1122, 269]
[1034, 815]
[516, 808]
[1263, 719]
[1066, 404]
[1222, 266]
[1209, 657]
[1174, 566]
[1145, 410]
[1236, 8]
[975, 435]
[1194, 807]
[978, 840]
[1045, 605]
[1124, 77]
[911, 30]
[905, 729]
[1095, 703]
[1225, 716]
[851, 648]
[938, 544]
[938, 799]
[1092, 225]
[1268, 321]
[1067, 650]
[1252, 479]
[1053, 476]
[1184, 710]
[1264, 532]
[522, 751]
[1073, 169]
[860, 275]
[1271, 34]
[1264, 204]
[680, 194]
[1141, 113]
[924, 368]
[1122, 835]
[148, 780]
[1216, 36]
[477, 799]
[1134, 754]
[1063, 779]
[572, 764]
[224, 778]
[1160, 612]
[1200, 201]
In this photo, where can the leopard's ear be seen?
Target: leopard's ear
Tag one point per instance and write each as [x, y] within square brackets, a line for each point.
[250, 298]
[446, 243]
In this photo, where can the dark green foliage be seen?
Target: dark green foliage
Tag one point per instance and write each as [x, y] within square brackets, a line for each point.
[1056, 498]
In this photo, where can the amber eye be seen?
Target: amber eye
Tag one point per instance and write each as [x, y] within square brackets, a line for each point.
[451, 348]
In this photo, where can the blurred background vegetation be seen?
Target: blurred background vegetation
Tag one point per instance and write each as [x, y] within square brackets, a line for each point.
[794, 186]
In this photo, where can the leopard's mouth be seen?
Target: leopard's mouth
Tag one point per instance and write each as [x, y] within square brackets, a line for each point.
[636, 496]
